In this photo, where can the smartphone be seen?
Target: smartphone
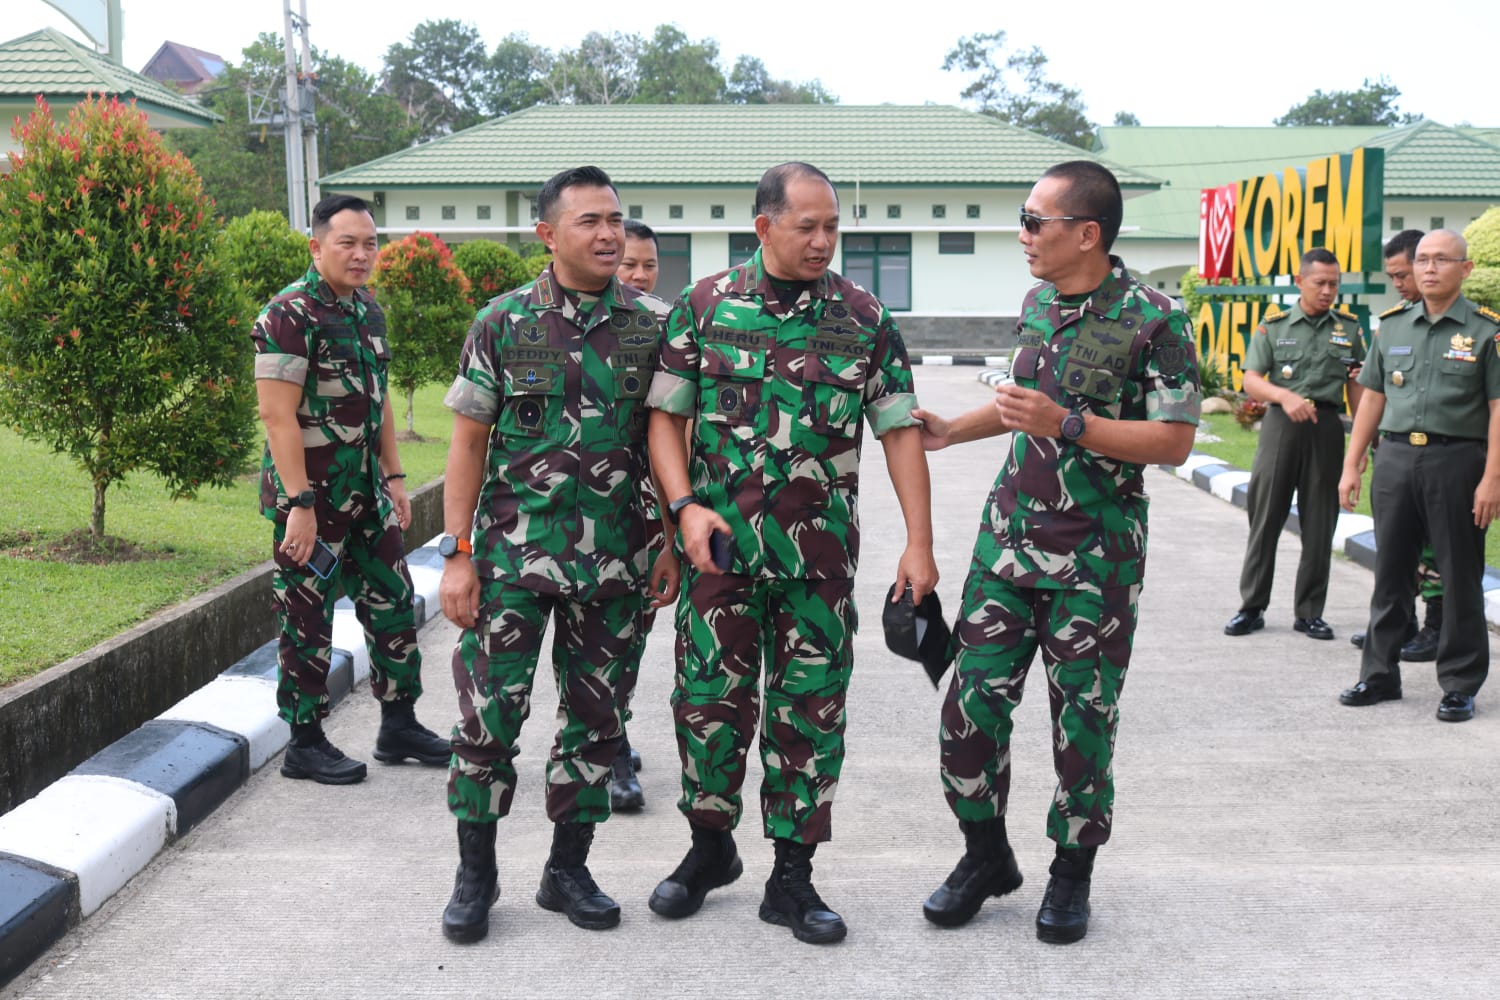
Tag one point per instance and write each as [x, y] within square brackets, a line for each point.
[1350, 362]
[323, 561]
[718, 548]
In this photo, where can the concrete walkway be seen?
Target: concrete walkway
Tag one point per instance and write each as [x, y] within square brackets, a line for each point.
[1267, 839]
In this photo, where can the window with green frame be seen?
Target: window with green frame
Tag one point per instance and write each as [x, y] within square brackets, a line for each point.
[742, 247]
[674, 264]
[882, 263]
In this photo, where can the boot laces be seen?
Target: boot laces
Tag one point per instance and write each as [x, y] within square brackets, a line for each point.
[796, 883]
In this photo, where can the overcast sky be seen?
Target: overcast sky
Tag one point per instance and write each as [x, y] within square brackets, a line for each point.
[1170, 63]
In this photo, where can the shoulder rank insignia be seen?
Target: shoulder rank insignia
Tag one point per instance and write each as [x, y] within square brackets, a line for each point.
[1271, 314]
[1345, 311]
[1393, 310]
[1488, 313]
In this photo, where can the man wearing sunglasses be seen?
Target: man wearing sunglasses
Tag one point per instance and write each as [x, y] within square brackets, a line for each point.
[1106, 382]
[1432, 390]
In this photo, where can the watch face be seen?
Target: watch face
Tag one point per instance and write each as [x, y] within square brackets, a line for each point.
[1072, 426]
[447, 546]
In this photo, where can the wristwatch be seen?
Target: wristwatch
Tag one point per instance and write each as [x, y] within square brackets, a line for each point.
[1072, 426]
[675, 507]
[451, 545]
[307, 498]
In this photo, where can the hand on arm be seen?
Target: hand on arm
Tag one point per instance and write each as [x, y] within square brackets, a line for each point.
[940, 432]
[278, 402]
[1298, 410]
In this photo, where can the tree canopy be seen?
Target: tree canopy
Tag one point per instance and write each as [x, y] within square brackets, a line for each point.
[1013, 86]
[1374, 103]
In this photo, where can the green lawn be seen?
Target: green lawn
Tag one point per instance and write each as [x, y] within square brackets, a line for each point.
[1237, 448]
[50, 611]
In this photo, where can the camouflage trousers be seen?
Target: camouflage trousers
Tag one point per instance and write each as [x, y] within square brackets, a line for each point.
[1085, 640]
[802, 630]
[1429, 581]
[494, 665]
[372, 570]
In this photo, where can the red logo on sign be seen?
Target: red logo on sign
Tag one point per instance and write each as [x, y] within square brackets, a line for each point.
[1216, 232]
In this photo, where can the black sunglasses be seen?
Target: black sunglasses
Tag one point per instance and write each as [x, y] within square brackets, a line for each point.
[1033, 223]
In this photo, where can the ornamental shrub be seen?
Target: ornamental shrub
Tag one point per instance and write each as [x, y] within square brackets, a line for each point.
[121, 343]
[492, 268]
[427, 311]
[1483, 283]
[264, 253]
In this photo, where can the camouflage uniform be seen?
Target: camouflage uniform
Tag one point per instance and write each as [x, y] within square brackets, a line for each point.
[1439, 379]
[776, 392]
[1061, 555]
[559, 530]
[1303, 354]
[336, 350]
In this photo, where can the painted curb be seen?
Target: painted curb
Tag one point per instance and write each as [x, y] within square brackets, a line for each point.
[64, 852]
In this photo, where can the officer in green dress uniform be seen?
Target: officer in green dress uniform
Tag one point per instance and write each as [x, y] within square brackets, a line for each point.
[1432, 389]
[1298, 364]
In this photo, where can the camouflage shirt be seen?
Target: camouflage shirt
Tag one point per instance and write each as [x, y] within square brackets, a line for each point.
[1304, 353]
[560, 511]
[1060, 515]
[777, 393]
[337, 351]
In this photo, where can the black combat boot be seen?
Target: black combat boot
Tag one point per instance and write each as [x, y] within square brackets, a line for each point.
[711, 862]
[567, 887]
[402, 736]
[791, 901]
[625, 793]
[310, 755]
[988, 868]
[1423, 646]
[476, 886]
[1064, 916]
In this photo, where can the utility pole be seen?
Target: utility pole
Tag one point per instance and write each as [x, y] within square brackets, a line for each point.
[301, 131]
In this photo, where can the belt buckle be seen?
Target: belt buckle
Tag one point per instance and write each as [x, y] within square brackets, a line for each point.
[1416, 439]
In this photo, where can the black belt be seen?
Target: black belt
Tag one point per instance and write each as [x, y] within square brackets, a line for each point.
[1419, 439]
[1318, 403]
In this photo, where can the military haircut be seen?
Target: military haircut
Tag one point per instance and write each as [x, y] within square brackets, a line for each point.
[1094, 192]
[324, 211]
[1318, 255]
[635, 229]
[770, 193]
[1403, 244]
[551, 192]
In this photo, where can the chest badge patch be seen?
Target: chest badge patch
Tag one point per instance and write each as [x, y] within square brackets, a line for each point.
[1286, 371]
[1397, 378]
[533, 335]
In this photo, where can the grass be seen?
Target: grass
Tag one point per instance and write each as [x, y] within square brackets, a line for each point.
[50, 611]
[1237, 448]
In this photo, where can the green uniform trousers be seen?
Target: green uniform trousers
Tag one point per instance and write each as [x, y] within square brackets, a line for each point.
[1306, 459]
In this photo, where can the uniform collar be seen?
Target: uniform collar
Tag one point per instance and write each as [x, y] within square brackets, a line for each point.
[315, 286]
[547, 294]
[1108, 299]
[1458, 312]
[753, 281]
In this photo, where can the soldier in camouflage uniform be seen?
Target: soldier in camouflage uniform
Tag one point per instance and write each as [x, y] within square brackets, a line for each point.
[1300, 364]
[551, 387]
[776, 362]
[1105, 383]
[331, 473]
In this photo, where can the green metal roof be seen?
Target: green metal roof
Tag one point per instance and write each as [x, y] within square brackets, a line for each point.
[50, 63]
[693, 144]
[1423, 160]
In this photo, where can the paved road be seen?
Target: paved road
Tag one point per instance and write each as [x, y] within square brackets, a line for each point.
[1267, 839]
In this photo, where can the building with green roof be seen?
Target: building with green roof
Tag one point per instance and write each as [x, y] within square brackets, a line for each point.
[930, 194]
[52, 65]
[1436, 177]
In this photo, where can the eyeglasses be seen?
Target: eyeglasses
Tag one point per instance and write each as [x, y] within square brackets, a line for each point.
[1422, 262]
[1033, 223]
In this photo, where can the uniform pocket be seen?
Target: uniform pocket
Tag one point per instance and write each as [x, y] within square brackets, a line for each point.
[833, 392]
[532, 402]
[731, 382]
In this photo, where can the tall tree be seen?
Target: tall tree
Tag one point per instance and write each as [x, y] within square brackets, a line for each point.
[122, 339]
[751, 83]
[601, 70]
[1374, 103]
[436, 75]
[1014, 88]
[674, 70]
[515, 76]
[1126, 118]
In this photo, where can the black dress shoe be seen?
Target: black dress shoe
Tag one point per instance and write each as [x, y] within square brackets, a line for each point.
[1456, 707]
[1357, 640]
[1244, 622]
[1316, 628]
[1371, 693]
[1422, 648]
